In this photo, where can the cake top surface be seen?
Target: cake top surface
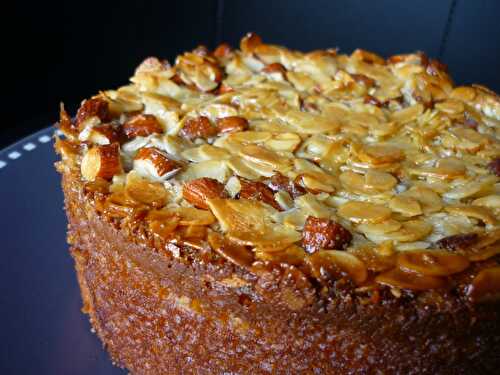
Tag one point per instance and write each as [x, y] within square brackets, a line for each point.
[378, 171]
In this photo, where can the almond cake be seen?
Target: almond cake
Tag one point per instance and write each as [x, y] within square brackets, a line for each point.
[262, 210]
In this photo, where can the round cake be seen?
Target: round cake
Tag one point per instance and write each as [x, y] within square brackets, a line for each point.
[266, 211]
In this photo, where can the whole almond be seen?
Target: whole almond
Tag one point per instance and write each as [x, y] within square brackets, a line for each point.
[198, 191]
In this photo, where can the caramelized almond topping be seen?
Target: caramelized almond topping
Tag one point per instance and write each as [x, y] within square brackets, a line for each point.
[324, 234]
[101, 161]
[231, 124]
[198, 191]
[198, 127]
[257, 191]
[142, 126]
[93, 107]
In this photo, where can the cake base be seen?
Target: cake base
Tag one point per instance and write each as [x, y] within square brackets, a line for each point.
[162, 312]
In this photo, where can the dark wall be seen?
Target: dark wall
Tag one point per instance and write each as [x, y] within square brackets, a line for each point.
[67, 50]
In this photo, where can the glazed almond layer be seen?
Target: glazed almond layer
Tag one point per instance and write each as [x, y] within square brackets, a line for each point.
[350, 168]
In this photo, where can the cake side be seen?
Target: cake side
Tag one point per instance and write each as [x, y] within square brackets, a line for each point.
[159, 314]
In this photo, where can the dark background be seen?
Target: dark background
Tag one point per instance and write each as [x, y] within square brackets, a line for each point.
[67, 50]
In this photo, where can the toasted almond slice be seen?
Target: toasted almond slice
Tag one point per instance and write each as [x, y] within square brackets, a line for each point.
[283, 142]
[260, 155]
[428, 199]
[490, 201]
[478, 255]
[242, 169]
[376, 258]
[101, 161]
[380, 154]
[351, 181]
[151, 162]
[478, 212]
[486, 286]
[162, 223]
[432, 262]
[249, 222]
[412, 230]
[249, 137]
[364, 212]
[310, 206]
[235, 253]
[379, 228]
[144, 191]
[472, 188]
[407, 206]
[99, 135]
[408, 114]
[216, 169]
[397, 278]
[380, 181]
[192, 216]
[449, 168]
[308, 123]
[317, 181]
[293, 255]
[347, 262]
[205, 152]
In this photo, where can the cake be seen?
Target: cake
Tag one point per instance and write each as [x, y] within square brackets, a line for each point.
[262, 210]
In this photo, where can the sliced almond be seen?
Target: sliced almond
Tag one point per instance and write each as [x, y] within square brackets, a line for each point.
[230, 250]
[486, 286]
[412, 230]
[479, 212]
[379, 228]
[249, 223]
[428, 199]
[432, 262]
[347, 262]
[144, 191]
[397, 278]
[364, 212]
[101, 161]
[490, 201]
[407, 206]
[380, 154]
[192, 216]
